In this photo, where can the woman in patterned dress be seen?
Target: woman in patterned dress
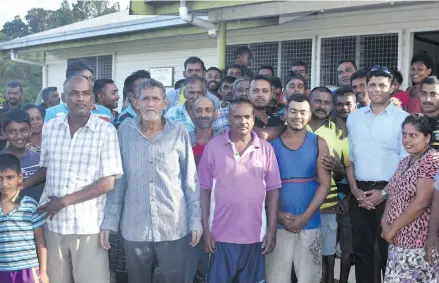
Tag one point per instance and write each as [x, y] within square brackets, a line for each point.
[408, 208]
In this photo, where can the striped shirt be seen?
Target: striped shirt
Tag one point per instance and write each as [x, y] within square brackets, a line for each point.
[158, 198]
[17, 242]
[75, 162]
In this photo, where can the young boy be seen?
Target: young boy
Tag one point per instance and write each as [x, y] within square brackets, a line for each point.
[23, 253]
[17, 128]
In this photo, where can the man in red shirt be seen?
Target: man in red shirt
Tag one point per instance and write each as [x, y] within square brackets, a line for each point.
[203, 115]
[397, 92]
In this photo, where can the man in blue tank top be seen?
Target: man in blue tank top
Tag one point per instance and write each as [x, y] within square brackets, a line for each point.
[305, 185]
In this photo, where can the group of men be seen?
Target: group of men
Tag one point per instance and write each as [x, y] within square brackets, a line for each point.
[192, 168]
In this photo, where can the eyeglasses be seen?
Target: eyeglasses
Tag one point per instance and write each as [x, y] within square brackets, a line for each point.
[380, 68]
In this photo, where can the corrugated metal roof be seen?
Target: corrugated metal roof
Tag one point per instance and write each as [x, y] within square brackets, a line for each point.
[116, 23]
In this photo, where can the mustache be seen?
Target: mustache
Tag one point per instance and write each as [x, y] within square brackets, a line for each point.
[321, 110]
[203, 119]
[427, 103]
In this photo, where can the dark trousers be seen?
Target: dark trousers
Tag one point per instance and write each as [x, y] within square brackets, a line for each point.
[366, 230]
[171, 257]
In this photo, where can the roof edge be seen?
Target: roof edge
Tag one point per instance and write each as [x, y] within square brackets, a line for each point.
[89, 32]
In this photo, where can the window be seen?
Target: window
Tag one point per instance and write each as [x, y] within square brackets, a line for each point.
[296, 50]
[267, 53]
[101, 65]
[262, 54]
[365, 50]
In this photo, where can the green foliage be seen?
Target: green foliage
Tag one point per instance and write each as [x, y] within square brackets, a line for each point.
[39, 20]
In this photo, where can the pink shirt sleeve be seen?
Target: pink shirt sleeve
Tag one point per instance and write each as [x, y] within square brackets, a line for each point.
[272, 175]
[205, 175]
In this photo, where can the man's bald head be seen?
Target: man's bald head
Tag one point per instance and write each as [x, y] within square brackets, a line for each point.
[73, 80]
[204, 112]
[78, 95]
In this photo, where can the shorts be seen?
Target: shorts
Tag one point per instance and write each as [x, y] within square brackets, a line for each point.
[238, 263]
[303, 250]
[329, 233]
[345, 233]
[29, 275]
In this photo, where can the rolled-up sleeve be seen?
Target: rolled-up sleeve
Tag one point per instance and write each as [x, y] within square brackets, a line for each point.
[44, 154]
[114, 206]
[115, 198]
[110, 161]
[190, 184]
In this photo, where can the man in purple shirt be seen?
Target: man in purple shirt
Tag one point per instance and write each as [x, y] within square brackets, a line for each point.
[239, 177]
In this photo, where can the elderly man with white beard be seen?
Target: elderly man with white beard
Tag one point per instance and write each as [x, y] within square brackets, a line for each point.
[157, 204]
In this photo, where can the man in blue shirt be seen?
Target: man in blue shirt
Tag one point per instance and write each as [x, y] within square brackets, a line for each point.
[50, 98]
[78, 68]
[194, 88]
[107, 94]
[192, 66]
[130, 86]
[375, 151]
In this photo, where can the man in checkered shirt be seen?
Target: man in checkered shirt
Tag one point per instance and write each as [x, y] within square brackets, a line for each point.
[81, 161]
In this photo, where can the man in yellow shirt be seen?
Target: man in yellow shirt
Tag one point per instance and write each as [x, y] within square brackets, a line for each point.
[322, 124]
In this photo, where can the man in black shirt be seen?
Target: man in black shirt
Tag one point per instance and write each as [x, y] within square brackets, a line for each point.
[430, 106]
[260, 96]
[13, 97]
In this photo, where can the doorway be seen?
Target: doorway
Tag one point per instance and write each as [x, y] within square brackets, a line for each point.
[428, 42]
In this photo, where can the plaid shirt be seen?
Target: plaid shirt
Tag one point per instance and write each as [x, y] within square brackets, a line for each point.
[75, 162]
[221, 125]
[178, 113]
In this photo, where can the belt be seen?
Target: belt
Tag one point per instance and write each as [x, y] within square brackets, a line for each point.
[371, 185]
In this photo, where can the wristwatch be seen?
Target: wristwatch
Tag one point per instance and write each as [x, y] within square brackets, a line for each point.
[384, 194]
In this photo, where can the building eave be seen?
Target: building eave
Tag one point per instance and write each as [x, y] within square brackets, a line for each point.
[93, 32]
[162, 32]
[153, 7]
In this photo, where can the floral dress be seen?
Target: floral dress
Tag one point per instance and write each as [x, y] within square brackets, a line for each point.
[406, 261]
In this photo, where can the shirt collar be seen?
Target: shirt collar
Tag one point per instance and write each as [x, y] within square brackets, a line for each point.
[255, 139]
[136, 124]
[91, 122]
[388, 111]
[6, 106]
[131, 111]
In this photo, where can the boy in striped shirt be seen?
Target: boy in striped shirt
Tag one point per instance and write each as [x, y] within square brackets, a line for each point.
[23, 253]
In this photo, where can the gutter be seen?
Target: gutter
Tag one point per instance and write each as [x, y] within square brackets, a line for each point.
[194, 20]
[28, 62]
[94, 31]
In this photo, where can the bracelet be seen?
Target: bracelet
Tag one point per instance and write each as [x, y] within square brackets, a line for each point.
[384, 221]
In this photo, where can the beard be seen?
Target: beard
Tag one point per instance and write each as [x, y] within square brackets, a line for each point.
[151, 116]
[213, 86]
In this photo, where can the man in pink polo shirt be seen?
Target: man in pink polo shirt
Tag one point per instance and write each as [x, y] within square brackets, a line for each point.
[239, 177]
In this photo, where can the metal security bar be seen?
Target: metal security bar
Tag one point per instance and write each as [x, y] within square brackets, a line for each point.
[265, 53]
[333, 50]
[379, 50]
[365, 50]
[101, 65]
[296, 50]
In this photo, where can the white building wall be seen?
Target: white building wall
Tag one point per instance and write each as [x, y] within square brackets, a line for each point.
[171, 52]
[132, 56]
